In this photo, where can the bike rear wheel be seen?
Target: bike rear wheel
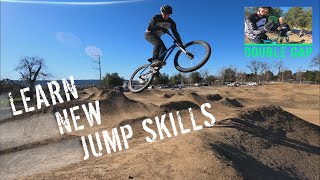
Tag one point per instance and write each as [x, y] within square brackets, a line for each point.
[198, 53]
[141, 78]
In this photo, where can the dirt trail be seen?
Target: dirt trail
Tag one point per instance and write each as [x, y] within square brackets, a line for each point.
[269, 132]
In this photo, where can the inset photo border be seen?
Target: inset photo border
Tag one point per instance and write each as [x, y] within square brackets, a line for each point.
[278, 26]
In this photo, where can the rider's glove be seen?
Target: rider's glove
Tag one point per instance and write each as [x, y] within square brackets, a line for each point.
[164, 30]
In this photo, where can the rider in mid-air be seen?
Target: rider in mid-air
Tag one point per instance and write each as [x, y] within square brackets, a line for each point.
[159, 25]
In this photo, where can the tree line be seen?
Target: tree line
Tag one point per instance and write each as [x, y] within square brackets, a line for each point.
[32, 69]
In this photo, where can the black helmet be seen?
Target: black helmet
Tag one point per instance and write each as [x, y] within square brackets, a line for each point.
[166, 9]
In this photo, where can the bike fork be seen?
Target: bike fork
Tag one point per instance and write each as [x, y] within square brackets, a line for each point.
[189, 55]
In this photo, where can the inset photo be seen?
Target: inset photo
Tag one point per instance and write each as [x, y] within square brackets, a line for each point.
[278, 25]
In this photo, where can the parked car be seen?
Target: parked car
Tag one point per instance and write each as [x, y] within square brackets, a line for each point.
[234, 84]
[163, 86]
[177, 86]
[252, 84]
[151, 87]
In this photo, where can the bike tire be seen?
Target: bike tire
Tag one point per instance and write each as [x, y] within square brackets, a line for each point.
[130, 84]
[199, 65]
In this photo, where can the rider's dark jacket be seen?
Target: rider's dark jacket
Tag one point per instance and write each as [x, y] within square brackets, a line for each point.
[157, 22]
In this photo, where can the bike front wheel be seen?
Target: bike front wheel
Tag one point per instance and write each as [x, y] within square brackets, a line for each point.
[141, 78]
[196, 55]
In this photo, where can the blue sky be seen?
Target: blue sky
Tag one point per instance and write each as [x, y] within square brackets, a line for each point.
[61, 33]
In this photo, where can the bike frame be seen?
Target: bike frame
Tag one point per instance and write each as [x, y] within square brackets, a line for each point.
[170, 50]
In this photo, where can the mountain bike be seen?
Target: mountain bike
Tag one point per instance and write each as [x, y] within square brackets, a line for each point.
[188, 58]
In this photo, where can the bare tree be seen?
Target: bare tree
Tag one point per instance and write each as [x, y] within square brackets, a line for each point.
[255, 67]
[205, 74]
[95, 53]
[264, 67]
[299, 74]
[280, 67]
[315, 62]
[31, 69]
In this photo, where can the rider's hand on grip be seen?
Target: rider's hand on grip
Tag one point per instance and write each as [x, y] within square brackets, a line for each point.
[164, 30]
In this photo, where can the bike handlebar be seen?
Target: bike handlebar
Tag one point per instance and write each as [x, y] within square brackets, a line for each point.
[175, 40]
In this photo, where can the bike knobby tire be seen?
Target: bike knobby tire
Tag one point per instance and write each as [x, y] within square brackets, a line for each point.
[136, 88]
[203, 46]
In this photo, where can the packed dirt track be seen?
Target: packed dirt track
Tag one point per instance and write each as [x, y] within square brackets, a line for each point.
[265, 132]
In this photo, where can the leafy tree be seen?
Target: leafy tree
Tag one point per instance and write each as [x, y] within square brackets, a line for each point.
[268, 75]
[211, 79]
[276, 11]
[298, 17]
[250, 77]
[7, 85]
[195, 77]
[250, 10]
[313, 76]
[162, 79]
[309, 18]
[112, 80]
[176, 79]
[229, 75]
[287, 74]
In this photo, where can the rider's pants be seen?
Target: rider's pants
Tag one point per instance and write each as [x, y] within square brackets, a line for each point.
[159, 47]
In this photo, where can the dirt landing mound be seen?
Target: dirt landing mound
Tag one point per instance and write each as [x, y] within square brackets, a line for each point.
[230, 102]
[196, 98]
[116, 103]
[269, 143]
[178, 105]
[165, 95]
[214, 97]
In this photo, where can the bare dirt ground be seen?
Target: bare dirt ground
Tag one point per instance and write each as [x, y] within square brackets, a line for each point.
[293, 38]
[265, 132]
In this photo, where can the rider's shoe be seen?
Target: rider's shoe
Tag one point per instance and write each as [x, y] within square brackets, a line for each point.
[157, 63]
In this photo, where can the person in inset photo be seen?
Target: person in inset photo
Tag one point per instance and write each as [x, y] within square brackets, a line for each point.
[283, 29]
[256, 25]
